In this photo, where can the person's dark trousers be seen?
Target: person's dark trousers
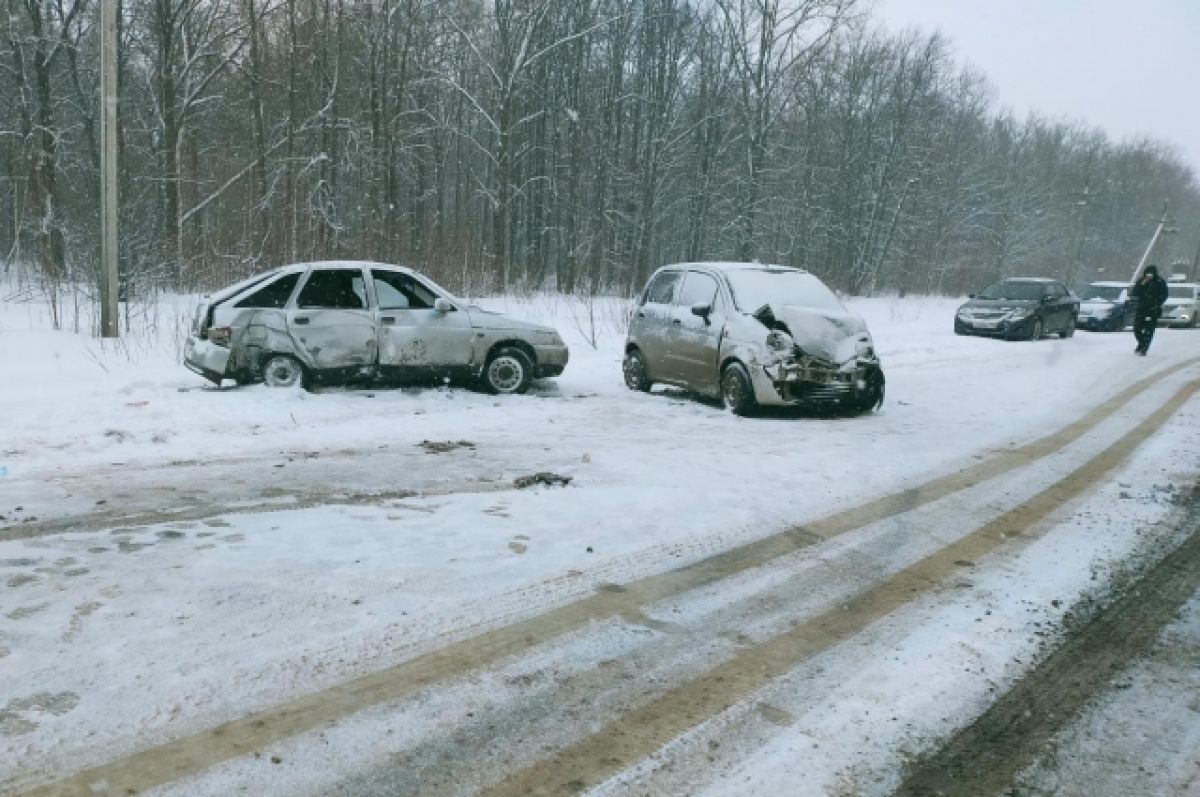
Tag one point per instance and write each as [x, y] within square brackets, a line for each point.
[1143, 330]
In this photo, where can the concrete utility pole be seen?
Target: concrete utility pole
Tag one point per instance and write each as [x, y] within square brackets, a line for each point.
[1154, 241]
[108, 169]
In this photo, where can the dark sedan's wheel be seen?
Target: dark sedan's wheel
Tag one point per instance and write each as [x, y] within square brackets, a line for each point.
[1037, 330]
[737, 390]
[634, 367]
[508, 370]
[959, 328]
[1069, 329]
[280, 370]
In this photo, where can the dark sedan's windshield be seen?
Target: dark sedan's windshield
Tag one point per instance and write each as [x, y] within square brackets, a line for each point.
[1108, 292]
[752, 288]
[1019, 291]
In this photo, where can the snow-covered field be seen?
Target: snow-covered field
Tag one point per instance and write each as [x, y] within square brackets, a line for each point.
[174, 556]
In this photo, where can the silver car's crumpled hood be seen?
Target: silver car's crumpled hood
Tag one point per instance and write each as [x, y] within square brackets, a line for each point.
[826, 334]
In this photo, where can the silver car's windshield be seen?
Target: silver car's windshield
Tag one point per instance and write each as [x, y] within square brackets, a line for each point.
[753, 288]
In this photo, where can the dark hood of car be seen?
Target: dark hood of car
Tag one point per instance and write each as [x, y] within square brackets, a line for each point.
[1000, 304]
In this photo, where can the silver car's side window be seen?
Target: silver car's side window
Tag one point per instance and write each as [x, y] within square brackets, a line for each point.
[333, 289]
[398, 291]
[697, 289]
[274, 296]
[662, 288]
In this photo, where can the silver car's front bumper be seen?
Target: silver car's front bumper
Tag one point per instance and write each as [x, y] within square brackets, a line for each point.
[790, 383]
[551, 359]
[206, 358]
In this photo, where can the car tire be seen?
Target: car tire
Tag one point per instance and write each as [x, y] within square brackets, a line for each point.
[737, 391]
[1037, 330]
[508, 370]
[1069, 330]
[281, 370]
[634, 368]
[872, 397]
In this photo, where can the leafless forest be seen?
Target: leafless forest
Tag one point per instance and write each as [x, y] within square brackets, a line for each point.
[569, 145]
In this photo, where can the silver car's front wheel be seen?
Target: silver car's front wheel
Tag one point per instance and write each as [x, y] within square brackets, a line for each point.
[508, 371]
[282, 371]
[737, 390]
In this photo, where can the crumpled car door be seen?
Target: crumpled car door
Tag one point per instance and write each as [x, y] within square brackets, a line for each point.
[332, 323]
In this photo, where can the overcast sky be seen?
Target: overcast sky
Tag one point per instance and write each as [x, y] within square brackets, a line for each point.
[1126, 66]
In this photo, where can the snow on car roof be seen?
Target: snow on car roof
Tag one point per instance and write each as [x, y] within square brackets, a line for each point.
[1109, 284]
[1028, 279]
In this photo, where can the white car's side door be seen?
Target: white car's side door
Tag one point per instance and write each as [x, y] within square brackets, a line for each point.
[413, 334]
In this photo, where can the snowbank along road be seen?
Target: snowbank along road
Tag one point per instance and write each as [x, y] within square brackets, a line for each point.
[213, 592]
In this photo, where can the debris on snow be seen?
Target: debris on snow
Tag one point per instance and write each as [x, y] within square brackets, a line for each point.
[543, 477]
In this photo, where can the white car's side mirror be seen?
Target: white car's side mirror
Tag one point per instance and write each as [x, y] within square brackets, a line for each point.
[443, 305]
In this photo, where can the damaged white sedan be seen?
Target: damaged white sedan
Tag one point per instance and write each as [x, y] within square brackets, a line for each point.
[752, 335]
[348, 321]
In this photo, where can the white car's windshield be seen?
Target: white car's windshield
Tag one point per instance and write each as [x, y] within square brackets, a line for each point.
[752, 288]
[1109, 292]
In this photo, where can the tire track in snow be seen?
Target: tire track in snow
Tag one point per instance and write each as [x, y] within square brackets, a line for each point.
[645, 730]
[985, 756]
[195, 753]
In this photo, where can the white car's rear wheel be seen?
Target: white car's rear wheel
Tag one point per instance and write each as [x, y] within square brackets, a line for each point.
[281, 370]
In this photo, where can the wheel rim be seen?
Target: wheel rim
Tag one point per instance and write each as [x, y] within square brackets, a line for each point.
[505, 374]
[635, 372]
[734, 389]
[281, 372]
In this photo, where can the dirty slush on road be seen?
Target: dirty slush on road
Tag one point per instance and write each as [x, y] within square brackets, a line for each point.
[1102, 638]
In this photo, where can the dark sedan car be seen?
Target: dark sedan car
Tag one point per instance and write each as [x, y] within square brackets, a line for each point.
[1021, 308]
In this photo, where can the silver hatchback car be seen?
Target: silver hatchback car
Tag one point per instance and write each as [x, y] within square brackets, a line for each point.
[346, 321]
[751, 334]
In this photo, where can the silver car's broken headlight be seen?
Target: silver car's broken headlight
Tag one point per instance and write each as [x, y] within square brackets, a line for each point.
[780, 341]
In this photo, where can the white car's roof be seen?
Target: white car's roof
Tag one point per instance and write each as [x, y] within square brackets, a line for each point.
[342, 264]
[725, 265]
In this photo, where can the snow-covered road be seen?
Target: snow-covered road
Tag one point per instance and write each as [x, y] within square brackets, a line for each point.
[343, 592]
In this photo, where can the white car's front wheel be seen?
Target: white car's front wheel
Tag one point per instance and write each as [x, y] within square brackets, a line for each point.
[509, 370]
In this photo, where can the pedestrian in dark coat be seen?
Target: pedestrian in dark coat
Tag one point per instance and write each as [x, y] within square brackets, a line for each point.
[1149, 292]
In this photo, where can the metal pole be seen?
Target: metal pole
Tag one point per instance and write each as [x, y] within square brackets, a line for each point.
[108, 169]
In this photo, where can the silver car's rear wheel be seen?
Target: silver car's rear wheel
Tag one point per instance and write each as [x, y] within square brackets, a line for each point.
[737, 390]
[282, 371]
[508, 371]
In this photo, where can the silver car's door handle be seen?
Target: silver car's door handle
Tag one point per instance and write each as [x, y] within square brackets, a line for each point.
[387, 319]
[677, 322]
[641, 314]
[301, 319]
